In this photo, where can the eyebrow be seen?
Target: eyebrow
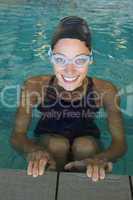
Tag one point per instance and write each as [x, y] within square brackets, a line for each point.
[75, 56]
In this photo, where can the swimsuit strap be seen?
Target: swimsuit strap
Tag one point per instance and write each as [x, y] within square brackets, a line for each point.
[91, 92]
[89, 87]
[90, 83]
[49, 91]
[52, 79]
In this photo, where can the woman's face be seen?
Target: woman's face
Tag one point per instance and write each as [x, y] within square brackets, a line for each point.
[70, 77]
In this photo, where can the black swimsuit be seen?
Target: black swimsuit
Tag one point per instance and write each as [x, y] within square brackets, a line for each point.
[66, 118]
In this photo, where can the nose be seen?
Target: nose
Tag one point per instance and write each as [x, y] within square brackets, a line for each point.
[70, 69]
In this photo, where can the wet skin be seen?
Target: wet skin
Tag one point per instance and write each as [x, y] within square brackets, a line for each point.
[37, 155]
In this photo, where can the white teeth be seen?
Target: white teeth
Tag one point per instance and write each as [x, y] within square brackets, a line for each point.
[70, 79]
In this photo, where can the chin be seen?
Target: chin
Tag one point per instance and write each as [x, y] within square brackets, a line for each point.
[69, 88]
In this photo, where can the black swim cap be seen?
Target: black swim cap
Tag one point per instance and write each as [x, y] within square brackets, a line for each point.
[72, 27]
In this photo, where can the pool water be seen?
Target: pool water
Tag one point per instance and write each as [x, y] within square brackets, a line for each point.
[25, 31]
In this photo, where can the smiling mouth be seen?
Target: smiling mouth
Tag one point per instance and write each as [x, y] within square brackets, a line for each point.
[70, 79]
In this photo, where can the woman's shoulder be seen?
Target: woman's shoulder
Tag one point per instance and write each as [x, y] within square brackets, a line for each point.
[39, 80]
[102, 85]
[36, 83]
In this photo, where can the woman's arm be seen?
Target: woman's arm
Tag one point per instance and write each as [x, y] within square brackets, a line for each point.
[101, 162]
[28, 99]
[111, 103]
[38, 157]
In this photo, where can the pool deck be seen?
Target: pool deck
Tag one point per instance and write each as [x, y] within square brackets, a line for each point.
[16, 185]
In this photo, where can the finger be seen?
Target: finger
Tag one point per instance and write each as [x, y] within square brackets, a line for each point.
[35, 171]
[79, 165]
[101, 173]
[89, 171]
[29, 169]
[95, 173]
[110, 167]
[42, 166]
[69, 166]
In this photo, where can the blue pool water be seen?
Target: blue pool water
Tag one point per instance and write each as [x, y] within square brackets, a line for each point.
[25, 31]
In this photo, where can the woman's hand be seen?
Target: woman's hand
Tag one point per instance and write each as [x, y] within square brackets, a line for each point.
[38, 161]
[95, 168]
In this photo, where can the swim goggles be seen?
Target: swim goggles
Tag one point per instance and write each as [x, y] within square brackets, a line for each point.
[62, 61]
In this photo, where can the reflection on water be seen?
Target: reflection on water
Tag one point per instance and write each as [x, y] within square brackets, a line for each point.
[27, 26]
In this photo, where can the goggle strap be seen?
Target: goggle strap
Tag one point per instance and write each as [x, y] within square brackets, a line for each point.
[50, 52]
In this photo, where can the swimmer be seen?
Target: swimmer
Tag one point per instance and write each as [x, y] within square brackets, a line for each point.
[70, 142]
